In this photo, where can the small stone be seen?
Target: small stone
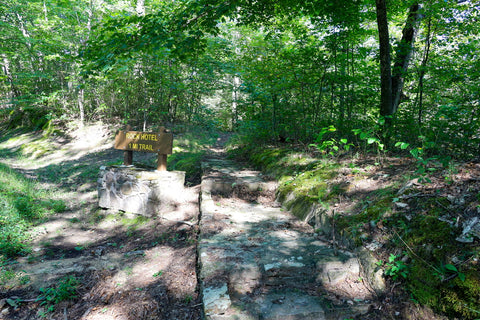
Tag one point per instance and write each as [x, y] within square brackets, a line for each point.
[373, 246]
[99, 251]
[401, 205]
[135, 253]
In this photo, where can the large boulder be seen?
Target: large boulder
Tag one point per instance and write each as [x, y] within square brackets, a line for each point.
[139, 191]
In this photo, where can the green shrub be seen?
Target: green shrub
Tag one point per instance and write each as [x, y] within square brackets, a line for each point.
[65, 290]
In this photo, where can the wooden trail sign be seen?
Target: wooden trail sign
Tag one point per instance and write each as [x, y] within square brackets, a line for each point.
[157, 142]
[144, 141]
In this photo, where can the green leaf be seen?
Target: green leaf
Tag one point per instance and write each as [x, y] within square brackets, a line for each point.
[356, 131]
[451, 267]
[402, 145]
[416, 152]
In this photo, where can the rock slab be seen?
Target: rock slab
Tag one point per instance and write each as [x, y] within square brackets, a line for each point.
[137, 190]
[260, 262]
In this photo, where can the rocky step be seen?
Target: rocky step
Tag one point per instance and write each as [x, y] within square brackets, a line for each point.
[222, 176]
[260, 262]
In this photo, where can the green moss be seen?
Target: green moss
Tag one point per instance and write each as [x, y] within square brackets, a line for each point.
[135, 221]
[37, 148]
[462, 298]
[431, 238]
[313, 184]
[299, 206]
[423, 284]
[455, 298]
[433, 244]
[50, 129]
[374, 210]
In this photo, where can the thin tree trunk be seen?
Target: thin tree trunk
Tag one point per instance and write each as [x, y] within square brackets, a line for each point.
[403, 54]
[6, 70]
[81, 106]
[45, 12]
[422, 72]
[342, 102]
[274, 116]
[236, 87]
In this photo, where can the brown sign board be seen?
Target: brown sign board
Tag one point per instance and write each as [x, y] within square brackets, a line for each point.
[144, 141]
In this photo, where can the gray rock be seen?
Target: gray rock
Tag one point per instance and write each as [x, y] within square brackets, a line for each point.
[216, 299]
[138, 191]
[471, 229]
[260, 262]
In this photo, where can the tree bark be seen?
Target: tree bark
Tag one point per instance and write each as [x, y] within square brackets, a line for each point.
[386, 105]
[392, 83]
[403, 54]
[81, 106]
[422, 71]
[14, 92]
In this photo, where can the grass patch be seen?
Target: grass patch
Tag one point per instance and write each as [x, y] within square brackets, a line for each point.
[189, 148]
[22, 204]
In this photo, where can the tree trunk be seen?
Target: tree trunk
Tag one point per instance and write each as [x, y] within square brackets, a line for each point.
[392, 85]
[45, 12]
[386, 105]
[81, 106]
[236, 88]
[422, 71]
[14, 93]
[403, 54]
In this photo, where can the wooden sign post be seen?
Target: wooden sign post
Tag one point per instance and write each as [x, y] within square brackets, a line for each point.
[128, 154]
[160, 143]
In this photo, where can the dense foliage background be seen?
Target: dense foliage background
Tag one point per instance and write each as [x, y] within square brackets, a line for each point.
[272, 69]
